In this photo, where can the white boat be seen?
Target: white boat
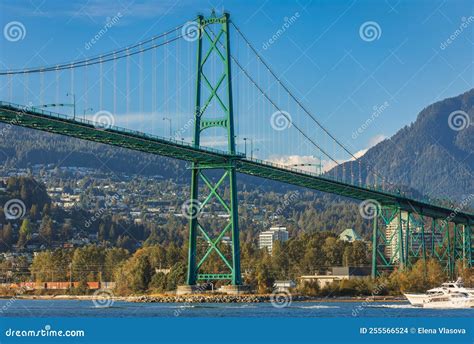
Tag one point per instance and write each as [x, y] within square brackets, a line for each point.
[449, 295]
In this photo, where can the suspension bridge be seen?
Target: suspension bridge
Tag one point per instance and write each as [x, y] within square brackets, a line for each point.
[219, 96]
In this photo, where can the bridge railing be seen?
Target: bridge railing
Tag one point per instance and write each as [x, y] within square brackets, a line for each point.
[328, 177]
[99, 126]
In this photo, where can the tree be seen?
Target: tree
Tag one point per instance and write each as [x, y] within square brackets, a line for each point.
[114, 257]
[125, 242]
[88, 263]
[46, 229]
[7, 236]
[66, 230]
[265, 275]
[135, 274]
[102, 232]
[142, 273]
[356, 254]
[112, 233]
[25, 233]
[34, 212]
[50, 266]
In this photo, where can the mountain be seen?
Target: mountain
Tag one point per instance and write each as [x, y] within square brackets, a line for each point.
[433, 155]
[22, 148]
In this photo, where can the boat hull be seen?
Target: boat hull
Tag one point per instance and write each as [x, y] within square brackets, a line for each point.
[416, 300]
[459, 304]
[440, 301]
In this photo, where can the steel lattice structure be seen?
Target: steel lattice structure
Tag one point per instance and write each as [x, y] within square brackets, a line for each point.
[405, 230]
[202, 121]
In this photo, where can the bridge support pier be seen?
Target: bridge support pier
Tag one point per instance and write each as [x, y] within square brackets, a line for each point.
[401, 238]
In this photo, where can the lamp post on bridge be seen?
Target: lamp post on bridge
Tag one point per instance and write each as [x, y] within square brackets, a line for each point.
[251, 146]
[171, 124]
[309, 164]
[252, 151]
[57, 105]
[88, 109]
[73, 95]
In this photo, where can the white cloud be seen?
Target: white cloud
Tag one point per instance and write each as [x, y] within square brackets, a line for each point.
[373, 141]
[290, 160]
[327, 164]
[376, 139]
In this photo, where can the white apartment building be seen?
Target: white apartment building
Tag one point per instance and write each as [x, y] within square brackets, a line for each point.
[267, 238]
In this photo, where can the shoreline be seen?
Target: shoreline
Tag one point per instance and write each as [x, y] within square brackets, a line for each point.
[206, 298]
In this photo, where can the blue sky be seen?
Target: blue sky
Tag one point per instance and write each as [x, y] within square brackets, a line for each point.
[324, 56]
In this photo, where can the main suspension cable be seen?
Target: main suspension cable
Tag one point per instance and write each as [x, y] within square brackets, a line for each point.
[116, 54]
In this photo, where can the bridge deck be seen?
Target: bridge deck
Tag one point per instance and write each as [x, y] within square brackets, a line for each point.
[84, 129]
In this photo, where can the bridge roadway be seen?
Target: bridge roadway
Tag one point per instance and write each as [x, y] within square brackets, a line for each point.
[43, 120]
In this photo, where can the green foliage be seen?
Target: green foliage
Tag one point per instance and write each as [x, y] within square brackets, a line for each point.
[49, 266]
[25, 233]
[138, 273]
[88, 263]
[417, 279]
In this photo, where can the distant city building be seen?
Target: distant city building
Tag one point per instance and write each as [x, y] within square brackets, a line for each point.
[349, 235]
[267, 238]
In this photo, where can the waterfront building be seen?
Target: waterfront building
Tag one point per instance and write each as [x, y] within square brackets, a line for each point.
[335, 274]
[283, 286]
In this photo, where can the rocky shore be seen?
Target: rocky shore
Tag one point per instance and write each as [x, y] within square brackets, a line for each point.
[210, 298]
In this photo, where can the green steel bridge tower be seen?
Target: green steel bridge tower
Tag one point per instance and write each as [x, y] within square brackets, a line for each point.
[220, 93]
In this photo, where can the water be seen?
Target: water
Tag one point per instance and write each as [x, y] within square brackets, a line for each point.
[120, 309]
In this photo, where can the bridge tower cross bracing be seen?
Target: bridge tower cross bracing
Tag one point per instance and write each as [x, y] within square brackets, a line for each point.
[215, 45]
